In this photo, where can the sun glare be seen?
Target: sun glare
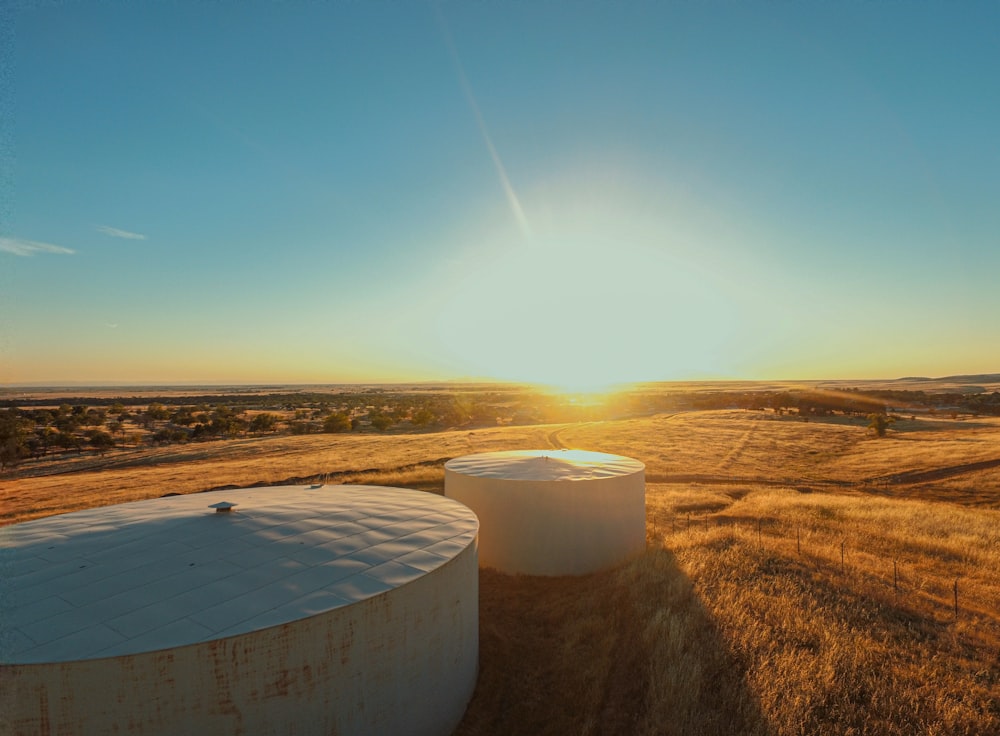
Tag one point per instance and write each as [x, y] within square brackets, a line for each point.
[583, 396]
[582, 314]
[582, 392]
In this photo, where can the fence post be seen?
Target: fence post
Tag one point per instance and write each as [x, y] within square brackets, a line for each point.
[895, 578]
[798, 539]
[955, 588]
[842, 567]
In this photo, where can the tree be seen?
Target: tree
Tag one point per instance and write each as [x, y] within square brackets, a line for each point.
[69, 441]
[115, 427]
[422, 417]
[167, 435]
[263, 422]
[183, 416]
[45, 437]
[381, 422]
[879, 423]
[300, 427]
[95, 417]
[101, 441]
[67, 422]
[13, 439]
[42, 417]
[336, 423]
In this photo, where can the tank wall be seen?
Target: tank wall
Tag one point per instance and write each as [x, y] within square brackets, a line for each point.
[554, 527]
[402, 662]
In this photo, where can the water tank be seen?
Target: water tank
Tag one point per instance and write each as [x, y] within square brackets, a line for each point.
[552, 512]
[288, 610]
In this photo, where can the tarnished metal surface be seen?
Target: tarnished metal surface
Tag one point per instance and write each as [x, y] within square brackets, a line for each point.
[402, 662]
[339, 610]
[169, 572]
[562, 465]
[544, 514]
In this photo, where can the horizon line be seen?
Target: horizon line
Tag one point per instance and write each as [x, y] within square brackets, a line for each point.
[37, 385]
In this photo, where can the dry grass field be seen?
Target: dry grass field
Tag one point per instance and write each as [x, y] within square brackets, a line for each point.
[717, 629]
[795, 582]
[799, 578]
[414, 460]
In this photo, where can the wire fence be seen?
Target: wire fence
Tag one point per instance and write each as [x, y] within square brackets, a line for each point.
[813, 547]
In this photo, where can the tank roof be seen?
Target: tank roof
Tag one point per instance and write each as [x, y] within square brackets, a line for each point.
[169, 572]
[545, 465]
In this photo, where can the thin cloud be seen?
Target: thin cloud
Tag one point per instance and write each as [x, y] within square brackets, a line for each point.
[116, 233]
[22, 247]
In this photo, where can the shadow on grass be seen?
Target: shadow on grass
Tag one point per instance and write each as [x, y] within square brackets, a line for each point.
[899, 427]
[906, 426]
[626, 651]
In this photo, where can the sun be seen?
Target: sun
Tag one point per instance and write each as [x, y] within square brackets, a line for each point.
[583, 389]
[580, 318]
[595, 297]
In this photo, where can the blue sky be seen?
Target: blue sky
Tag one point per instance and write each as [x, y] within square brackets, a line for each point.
[573, 193]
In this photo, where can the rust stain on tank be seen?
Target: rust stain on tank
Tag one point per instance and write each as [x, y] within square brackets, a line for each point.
[323, 674]
[280, 686]
[44, 724]
[346, 641]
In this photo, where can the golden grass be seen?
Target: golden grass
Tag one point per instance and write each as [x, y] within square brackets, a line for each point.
[728, 446]
[719, 446]
[133, 475]
[741, 617]
[717, 631]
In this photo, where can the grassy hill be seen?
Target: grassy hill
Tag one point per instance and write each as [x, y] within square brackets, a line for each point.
[799, 577]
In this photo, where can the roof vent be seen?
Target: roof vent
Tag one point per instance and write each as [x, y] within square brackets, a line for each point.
[222, 507]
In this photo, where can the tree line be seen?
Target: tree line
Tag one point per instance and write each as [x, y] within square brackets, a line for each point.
[34, 430]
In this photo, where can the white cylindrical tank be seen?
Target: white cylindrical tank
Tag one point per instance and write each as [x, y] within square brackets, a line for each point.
[302, 610]
[552, 512]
